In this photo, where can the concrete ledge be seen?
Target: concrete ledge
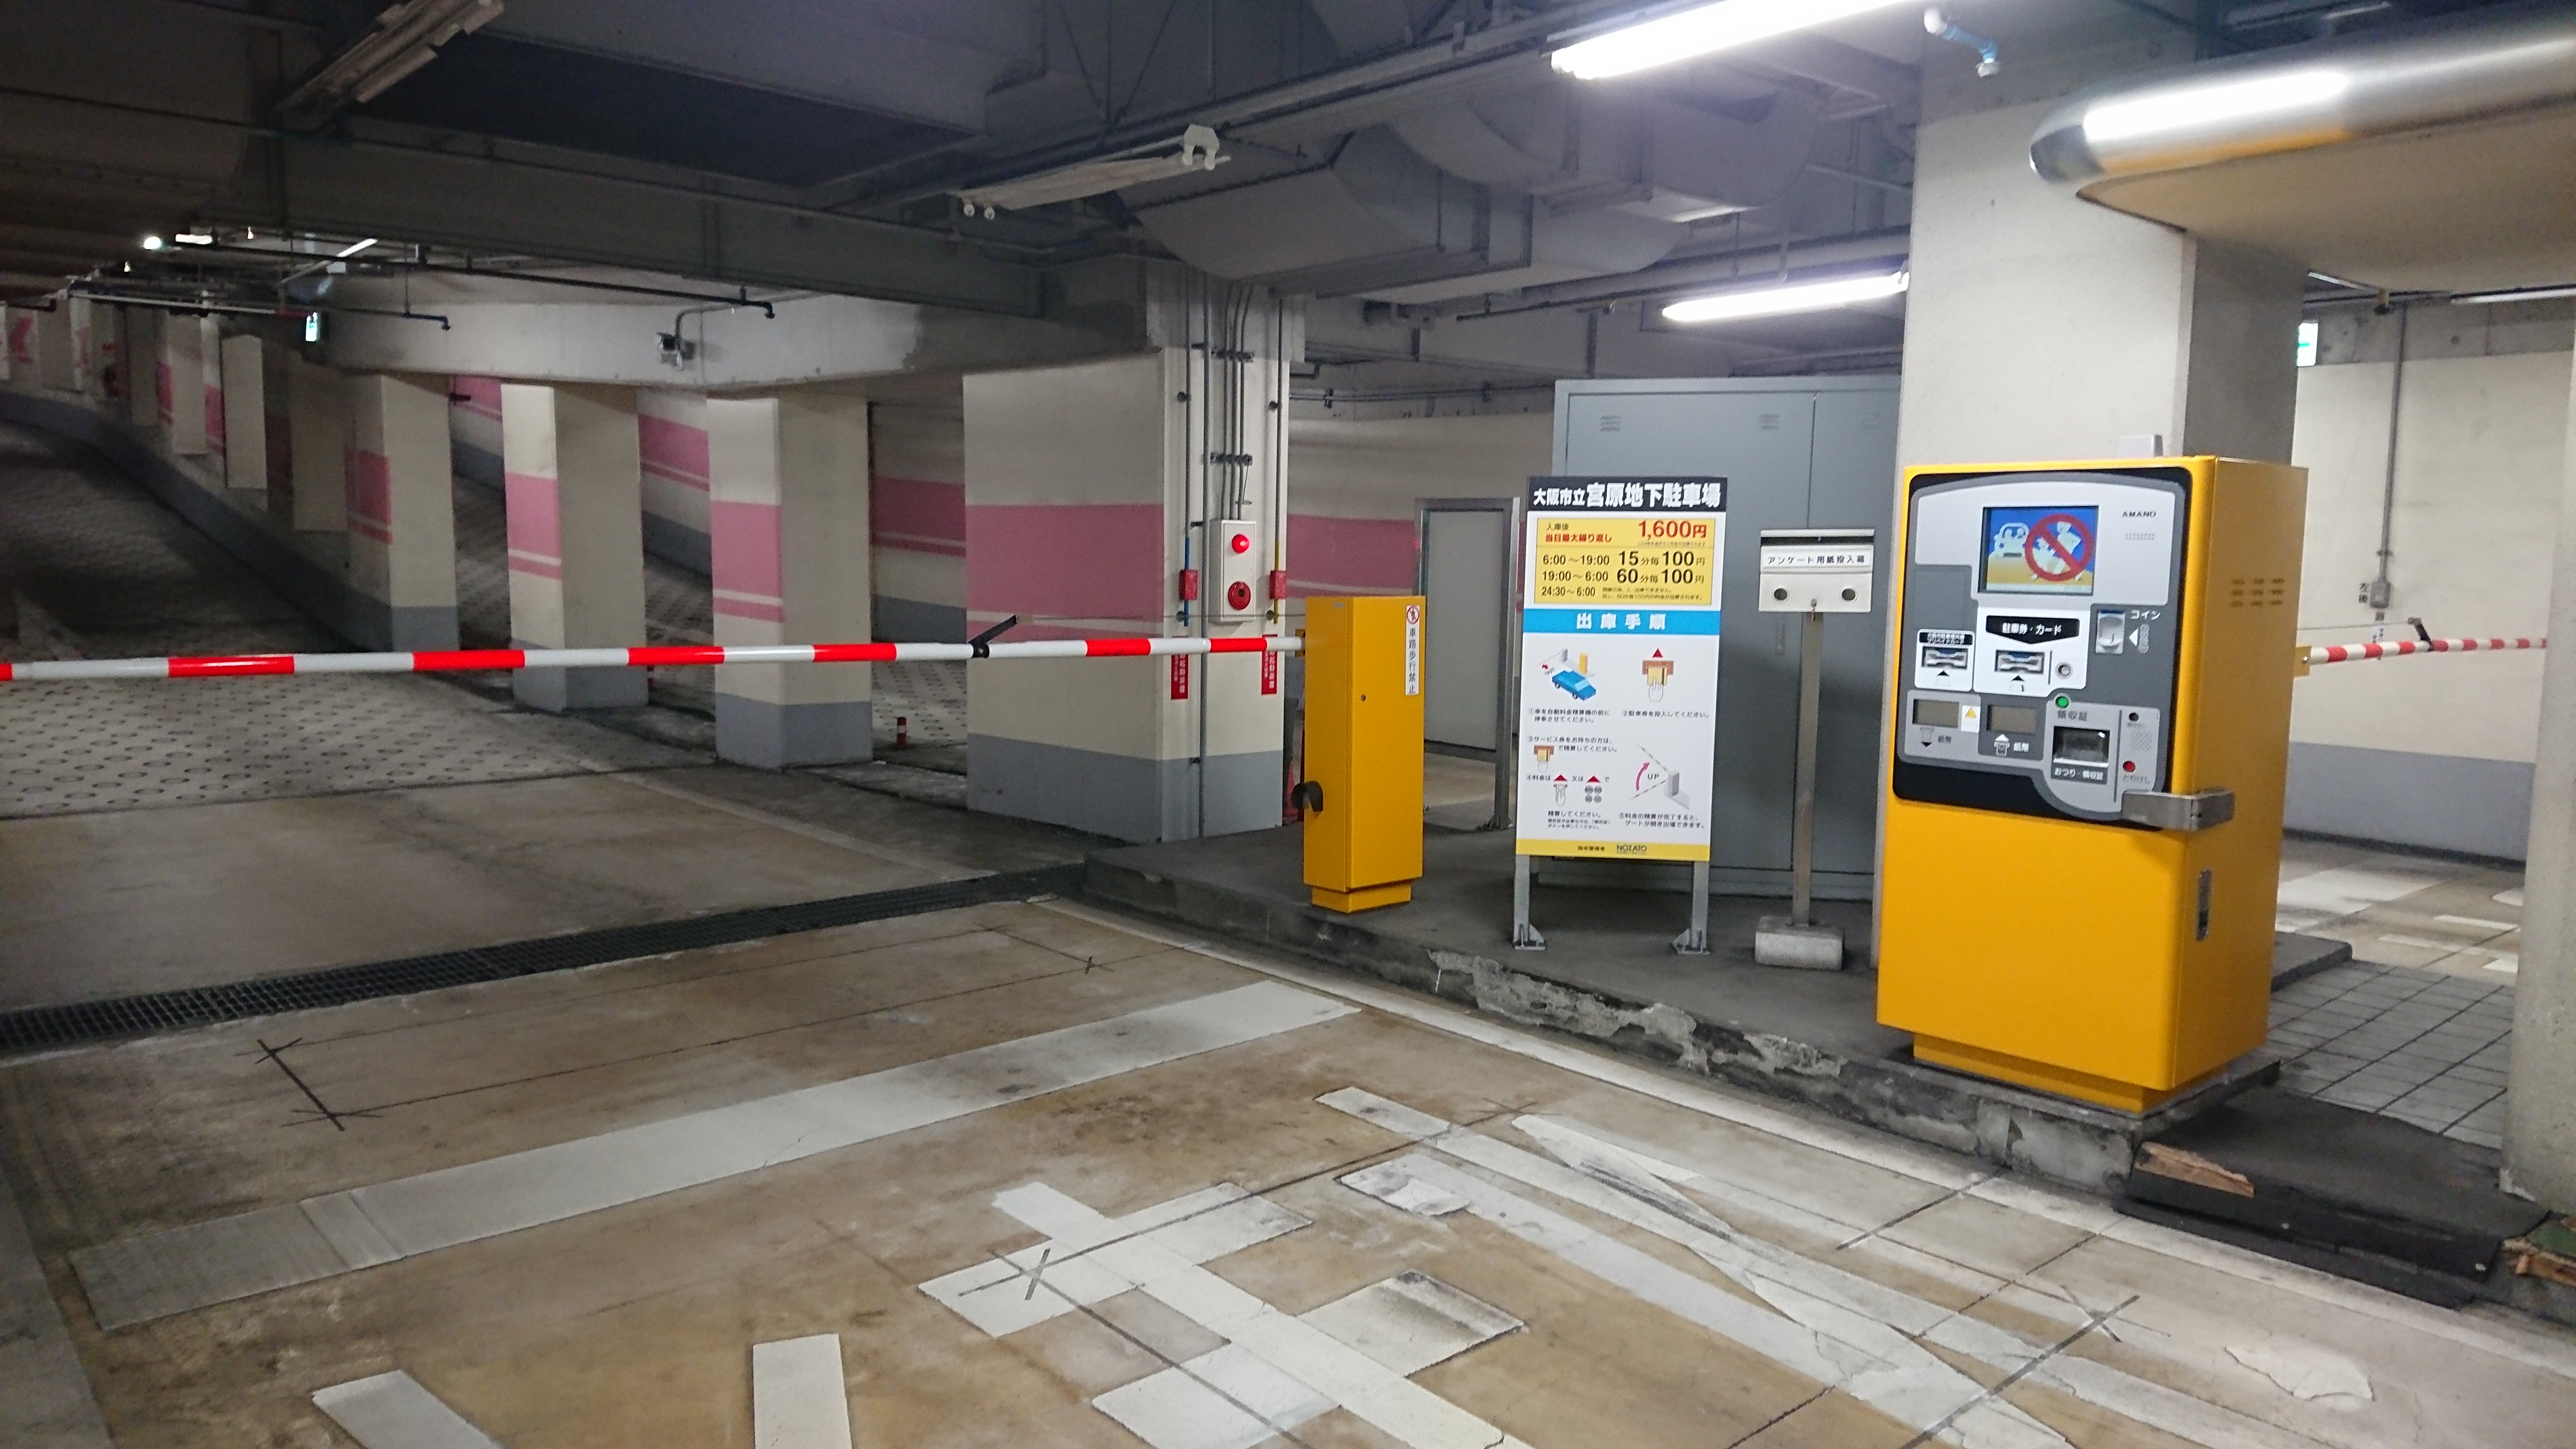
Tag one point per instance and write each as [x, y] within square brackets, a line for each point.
[782, 736]
[366, 622]
[913, 621]
[1124, 797]
[558, 690]
[677, 543]
[1608, 977]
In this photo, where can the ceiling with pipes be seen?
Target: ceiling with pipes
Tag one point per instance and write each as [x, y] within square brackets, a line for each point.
[1417, 158]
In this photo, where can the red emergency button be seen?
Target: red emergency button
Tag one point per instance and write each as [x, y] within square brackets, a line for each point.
[1242, 543]
[1238, 595]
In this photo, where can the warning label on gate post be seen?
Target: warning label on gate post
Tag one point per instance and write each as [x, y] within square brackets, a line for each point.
[1620, 595]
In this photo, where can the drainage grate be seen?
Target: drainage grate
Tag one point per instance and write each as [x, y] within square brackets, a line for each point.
[124, 1016]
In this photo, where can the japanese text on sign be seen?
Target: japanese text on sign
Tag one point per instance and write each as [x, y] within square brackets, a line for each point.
[1623, 561]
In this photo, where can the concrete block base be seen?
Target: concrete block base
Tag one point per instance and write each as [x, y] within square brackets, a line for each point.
[1778, 941]
[557, 690]
[782, 736]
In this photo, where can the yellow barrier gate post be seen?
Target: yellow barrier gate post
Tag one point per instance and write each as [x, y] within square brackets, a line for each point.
[1362, 791]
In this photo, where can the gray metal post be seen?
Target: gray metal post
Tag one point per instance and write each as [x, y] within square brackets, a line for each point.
[1525, 937]
[1802, 830]
[1694, 942]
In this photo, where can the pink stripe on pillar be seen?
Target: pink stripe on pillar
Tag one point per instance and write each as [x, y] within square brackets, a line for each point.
[1068, 560]
[901, 510]
[744, 551]
[535, 508]
[476, 395]
[371, 494]
[214, 417]
[1327, 553]
[672, 450]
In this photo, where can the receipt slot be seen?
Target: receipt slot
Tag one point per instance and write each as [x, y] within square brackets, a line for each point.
[2083, 802]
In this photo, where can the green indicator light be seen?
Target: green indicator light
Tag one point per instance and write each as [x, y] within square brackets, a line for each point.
[2061, 701]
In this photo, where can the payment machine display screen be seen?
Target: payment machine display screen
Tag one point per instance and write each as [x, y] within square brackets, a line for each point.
[2040, 550]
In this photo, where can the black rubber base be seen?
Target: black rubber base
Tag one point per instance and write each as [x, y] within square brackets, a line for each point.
[2366, 1196]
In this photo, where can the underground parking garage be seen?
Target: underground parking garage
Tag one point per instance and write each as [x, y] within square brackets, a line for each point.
[1303, 722]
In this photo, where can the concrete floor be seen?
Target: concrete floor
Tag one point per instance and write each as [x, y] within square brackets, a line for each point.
[573, 1207]
[1709, 1270]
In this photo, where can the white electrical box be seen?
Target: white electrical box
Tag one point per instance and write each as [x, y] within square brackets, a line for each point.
[1817, 570]
[1237, 569]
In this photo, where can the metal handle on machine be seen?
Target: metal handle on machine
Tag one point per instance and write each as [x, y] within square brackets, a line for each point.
[2164, 810]
[1307, 796]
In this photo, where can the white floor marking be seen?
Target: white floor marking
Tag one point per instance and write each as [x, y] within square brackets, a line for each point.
[2478, 923]
[799, 1398]
[156, 1274]
[2303, 1369]
[392, 1411]
[1867, 1315]
[2445, 947]
[2508, 962]
[2528, 1347]
[2511, 898]
[1002, 1295]
[1228, 1396]
[2349, 888]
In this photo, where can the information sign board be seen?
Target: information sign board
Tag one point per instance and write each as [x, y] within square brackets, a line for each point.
[1620, 594]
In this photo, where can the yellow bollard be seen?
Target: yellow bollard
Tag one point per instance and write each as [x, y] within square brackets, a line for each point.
[1362, 792]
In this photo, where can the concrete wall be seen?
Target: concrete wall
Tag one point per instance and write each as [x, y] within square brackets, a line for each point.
[2428, 751]
[1353, 487]
[917, 518]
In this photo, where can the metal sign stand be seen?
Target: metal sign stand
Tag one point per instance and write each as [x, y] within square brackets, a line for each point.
[1812, 572]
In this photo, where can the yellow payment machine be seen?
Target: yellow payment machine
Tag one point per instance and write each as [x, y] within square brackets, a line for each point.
[2092, 719]
[1362, 788]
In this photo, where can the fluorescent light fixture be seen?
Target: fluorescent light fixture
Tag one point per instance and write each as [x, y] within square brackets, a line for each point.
[1701, 30]
[1196, 149]
[2517, 294]
[1779, 301]
[2190, 108]
[154, 243]
[353, 248]
[405, 38]
[2307, 344]
[196, 238]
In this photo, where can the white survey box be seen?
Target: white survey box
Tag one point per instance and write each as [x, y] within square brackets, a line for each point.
[1817, 570]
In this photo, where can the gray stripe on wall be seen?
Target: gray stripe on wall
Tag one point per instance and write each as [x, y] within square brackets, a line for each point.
[1119, 795]
[2436, 802]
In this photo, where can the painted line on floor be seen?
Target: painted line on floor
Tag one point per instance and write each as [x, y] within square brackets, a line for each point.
[2479, 923]
[1369, 1390]
[134, 1280]
[392, 1411]
[799, 1397]
[2527, 1347]
[1863, 1315]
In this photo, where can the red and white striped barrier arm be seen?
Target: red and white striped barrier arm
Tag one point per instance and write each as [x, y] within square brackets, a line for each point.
[2390, 649]
[451, 661]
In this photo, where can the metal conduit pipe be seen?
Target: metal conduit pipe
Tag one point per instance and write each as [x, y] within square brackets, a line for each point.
[2303, 97]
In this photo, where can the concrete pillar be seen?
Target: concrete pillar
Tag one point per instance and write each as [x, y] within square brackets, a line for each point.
[1082, 485]
[402, 514]
[210, 363]
[2540, 1103]
[83, 314]
[143, 367]
[673, 433]
[179, 382]
[576, 538]
[474, 429]
[787, 524]
[246, 396]
[56, 359]
[17, 343]
[107, 356]
[2040, 326]
[317, 425]
[917, 518]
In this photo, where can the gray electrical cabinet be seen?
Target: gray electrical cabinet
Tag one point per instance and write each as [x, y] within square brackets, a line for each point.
[1801, 452]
